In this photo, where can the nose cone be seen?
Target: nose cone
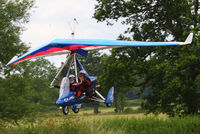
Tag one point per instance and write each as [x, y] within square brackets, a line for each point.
[59, 102]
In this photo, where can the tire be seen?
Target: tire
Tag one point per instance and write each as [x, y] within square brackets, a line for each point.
[76, 110]
[109, 105]
[65, 110]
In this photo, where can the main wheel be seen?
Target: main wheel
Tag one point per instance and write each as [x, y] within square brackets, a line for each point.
[65, 110]
[109, 105]
[76, 110]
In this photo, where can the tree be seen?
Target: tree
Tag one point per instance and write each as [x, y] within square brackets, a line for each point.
[120, 102]
[92, 63]
[14, 98]
[27, 91]
[39, 74]
[12, 15]
[169, 74]
[115, 74]
[14, 89]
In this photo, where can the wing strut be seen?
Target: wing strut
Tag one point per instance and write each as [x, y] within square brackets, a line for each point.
[56, 77]
[75, 67]
[69, 67]
[73, 58]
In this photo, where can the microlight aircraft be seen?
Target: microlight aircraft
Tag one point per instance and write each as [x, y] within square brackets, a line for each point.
[72, 47]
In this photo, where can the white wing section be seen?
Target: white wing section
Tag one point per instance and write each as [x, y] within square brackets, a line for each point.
[189, 39]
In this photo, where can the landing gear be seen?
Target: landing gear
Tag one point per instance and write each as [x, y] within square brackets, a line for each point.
[76, 110]
[109, 105]
[65, 110]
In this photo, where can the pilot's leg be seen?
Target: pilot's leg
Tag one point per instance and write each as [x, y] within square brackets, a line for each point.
[80, 91]
[78, 94]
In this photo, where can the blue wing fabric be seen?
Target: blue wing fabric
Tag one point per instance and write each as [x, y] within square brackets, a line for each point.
[80, 66]
[81, 46]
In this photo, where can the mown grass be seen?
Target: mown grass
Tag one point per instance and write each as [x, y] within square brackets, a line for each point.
[136, 102]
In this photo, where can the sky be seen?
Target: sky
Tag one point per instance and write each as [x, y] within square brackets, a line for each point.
[52, 19]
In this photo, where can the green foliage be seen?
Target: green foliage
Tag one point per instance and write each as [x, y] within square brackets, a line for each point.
[175, 87]
[119, 102]
[92, 63]
[12, 15]
[14, 98]
[40, 73]
[14, 88]
[167, 76]
[147, 20]
[26, 90]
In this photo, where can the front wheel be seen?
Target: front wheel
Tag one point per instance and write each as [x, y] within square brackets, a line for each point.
[65, 110]
[76, 110]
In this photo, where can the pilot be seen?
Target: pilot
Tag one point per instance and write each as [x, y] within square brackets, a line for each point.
[85, 83]
[71, 78]
[72, 81]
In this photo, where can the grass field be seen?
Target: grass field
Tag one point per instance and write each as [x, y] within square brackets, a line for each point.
[107, 122]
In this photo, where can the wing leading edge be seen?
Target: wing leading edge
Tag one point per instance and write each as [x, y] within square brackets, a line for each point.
[64, 46]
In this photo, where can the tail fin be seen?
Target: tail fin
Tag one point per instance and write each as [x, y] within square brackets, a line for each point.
[110, 96]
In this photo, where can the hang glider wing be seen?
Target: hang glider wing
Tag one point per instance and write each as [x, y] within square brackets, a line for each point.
[81, 46]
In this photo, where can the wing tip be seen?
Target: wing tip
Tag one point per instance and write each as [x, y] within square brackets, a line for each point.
[189, 39]
[12, 61]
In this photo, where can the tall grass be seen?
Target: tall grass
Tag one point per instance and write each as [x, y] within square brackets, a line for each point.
[150, 125]
[117, 125]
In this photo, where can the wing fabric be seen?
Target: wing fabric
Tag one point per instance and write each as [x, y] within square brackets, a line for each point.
[64, 46]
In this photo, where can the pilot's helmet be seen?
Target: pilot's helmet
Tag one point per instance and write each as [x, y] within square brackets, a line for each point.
[82, 72]
[71, 76]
